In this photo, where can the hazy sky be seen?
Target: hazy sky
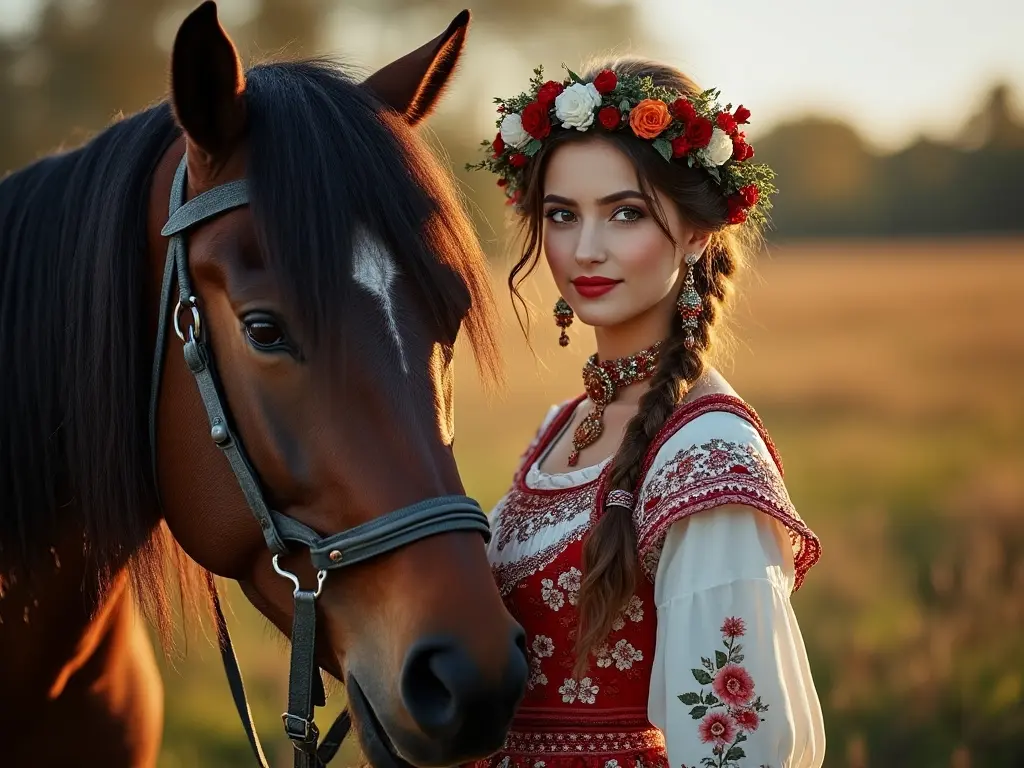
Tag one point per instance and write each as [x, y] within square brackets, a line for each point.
[894, 68]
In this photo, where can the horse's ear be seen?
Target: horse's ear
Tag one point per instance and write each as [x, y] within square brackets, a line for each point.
[207, 83]
[413, 84]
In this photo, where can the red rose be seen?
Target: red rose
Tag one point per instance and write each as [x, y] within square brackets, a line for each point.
[726, 122]
[549, 92]
[742, 114]
[698, 132]
[717, 728]
[734, 685]
[518, 160]
[535, 120]
[747, 719]
[502, 182]
[749, 195]
[737, 213]
[740, 149]
[680, 146]
[514, 198]
[683, 110]
[605, 81]
[498, 145]
[609, 117]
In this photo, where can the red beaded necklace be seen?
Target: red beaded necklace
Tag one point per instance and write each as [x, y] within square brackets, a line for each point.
[602, 380]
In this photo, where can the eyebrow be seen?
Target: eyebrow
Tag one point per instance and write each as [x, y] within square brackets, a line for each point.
[614, 197]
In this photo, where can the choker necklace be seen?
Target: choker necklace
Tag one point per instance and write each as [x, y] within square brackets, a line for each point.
[603, 380]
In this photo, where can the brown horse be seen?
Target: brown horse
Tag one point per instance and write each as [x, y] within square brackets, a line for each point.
[329, 300]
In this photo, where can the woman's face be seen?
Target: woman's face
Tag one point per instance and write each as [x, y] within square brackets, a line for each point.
[608, 256]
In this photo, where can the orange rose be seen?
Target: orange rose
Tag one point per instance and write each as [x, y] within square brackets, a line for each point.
[649, 118]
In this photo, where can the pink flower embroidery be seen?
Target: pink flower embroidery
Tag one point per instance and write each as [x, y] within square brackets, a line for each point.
[717, 727]
[734, 627]
[733, 685]
[746, 719]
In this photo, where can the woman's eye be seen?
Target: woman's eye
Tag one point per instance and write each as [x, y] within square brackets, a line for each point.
[628, 214]
[561, 216]
[264, 334]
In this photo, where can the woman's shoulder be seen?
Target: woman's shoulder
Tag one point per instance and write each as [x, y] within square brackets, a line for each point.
[714, 451]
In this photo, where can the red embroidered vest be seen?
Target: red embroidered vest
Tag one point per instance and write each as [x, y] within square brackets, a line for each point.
[599, 719]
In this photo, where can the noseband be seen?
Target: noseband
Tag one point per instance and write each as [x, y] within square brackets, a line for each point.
[376, 537]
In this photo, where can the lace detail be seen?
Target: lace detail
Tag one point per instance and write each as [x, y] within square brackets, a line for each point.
[507, 575]
[709, 475]
[527, 511]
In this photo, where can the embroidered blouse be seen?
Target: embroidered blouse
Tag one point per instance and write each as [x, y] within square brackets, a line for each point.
[705, 667]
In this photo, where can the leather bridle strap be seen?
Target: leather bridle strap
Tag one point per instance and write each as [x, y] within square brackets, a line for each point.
[371, 539]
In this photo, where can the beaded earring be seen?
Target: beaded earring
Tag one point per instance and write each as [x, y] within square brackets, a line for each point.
[563, 319]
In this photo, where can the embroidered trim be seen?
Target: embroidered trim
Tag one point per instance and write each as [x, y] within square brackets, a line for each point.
[715, 473]
[730, 710]
[508, 575]
[582, 742]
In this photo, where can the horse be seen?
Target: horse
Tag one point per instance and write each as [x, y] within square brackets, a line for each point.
[287, 424]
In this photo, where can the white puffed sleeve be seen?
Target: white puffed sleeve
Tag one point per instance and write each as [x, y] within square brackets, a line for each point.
[731, 686]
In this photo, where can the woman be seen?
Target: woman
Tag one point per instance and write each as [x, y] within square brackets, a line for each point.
[648, 544]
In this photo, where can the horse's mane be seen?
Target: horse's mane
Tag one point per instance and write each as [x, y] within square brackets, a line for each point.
[75, 329]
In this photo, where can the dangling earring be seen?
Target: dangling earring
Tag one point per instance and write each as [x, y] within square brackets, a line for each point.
[563, 319]
[689, 304]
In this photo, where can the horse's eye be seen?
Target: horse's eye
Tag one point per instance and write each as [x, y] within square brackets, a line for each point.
[264, 333]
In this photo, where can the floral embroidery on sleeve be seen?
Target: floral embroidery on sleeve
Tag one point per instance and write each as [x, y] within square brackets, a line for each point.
[729, 710]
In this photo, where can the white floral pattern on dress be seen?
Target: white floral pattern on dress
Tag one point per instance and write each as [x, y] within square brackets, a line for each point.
[553, 598]
[604, 656]
[537, 676]
[570, 581]
[585, 691]
[625, 654]
[634, 611]
[543, 646]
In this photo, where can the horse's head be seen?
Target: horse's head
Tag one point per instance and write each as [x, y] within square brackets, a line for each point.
[331, 303]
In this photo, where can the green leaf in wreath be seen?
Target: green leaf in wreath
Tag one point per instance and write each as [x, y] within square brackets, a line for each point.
[720, 659]
[532, 148]
[701, 676]
[698, 712]
[664, 147]
[689, 699]
[736, 753]
[710, 699]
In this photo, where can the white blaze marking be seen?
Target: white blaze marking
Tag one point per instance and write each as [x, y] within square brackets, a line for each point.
[374, 269]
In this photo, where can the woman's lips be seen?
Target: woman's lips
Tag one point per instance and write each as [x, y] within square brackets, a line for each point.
[592, 287]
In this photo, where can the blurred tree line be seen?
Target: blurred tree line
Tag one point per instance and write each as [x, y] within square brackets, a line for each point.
[78, 63]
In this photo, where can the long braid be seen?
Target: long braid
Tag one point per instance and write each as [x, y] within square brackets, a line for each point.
[610, 551]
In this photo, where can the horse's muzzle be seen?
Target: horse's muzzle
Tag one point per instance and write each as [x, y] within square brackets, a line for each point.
[449, 700]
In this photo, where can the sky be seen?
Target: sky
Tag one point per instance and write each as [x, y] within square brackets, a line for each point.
[895, 69]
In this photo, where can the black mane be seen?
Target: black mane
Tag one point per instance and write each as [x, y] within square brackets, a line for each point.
[75, 331]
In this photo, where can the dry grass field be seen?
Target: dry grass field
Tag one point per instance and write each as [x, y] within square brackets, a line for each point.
[890, 376]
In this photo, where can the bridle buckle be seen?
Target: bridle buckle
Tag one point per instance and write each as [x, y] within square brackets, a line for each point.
[321, 576]
[301, 731]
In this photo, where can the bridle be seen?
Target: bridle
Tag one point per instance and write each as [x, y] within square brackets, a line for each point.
[376, 537]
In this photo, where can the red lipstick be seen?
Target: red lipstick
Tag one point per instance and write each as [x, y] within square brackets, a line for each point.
[592, 287]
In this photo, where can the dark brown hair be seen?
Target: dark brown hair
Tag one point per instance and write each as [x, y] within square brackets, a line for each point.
[610, 552]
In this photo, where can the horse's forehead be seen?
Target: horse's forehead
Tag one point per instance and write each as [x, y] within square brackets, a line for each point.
[375, 270]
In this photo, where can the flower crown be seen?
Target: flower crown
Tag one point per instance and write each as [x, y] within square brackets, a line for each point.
[696, 128]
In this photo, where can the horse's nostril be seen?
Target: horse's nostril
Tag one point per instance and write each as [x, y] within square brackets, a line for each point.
[434, 677]
[445, 694]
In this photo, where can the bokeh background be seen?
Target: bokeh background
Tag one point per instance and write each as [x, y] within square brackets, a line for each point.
[879, 334]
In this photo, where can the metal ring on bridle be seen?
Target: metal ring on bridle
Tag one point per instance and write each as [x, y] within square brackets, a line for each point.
[321, 576]
[197, 323]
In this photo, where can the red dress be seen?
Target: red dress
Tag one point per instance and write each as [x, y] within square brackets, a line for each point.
[601, 718]
[732, 579]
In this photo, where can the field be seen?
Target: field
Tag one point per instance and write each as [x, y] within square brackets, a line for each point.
[890, 377]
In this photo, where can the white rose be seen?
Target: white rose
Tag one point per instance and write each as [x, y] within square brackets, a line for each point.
[576, 104]
[512, 132]
[719, 149]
